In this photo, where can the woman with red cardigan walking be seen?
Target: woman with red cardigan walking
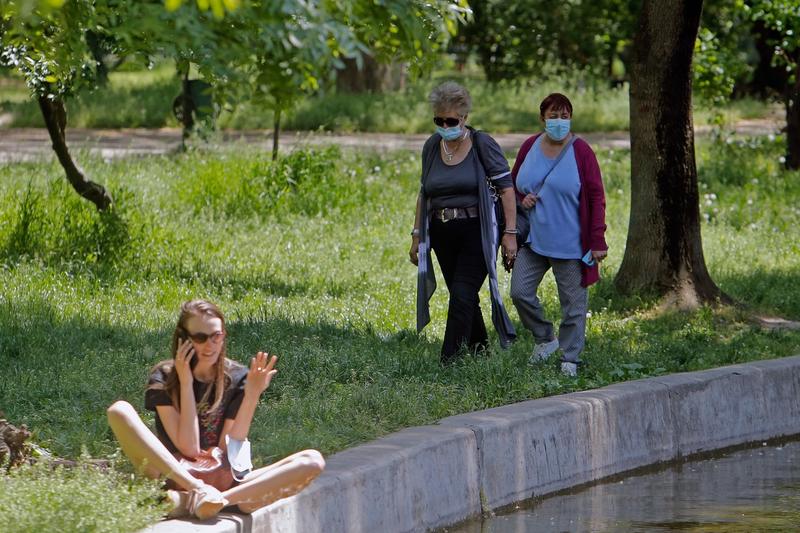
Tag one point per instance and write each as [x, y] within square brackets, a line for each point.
[557, 179]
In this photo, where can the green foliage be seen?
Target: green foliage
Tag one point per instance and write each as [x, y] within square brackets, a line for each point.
[402, 30]
[520, 39]
[65, 231]
[716, 67]
[308, 182]
[41, 498]
[782, 16]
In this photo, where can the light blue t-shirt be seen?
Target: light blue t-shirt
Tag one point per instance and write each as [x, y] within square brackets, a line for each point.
[555, 223]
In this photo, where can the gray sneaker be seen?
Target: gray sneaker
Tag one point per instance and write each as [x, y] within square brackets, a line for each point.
[542, 351]
[569, 369]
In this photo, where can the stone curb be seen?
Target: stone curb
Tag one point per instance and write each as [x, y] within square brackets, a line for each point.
[431, 476]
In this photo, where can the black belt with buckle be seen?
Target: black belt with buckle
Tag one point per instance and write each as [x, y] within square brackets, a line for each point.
[446, 214]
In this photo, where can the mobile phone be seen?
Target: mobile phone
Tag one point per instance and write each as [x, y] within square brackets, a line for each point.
[588, 259]
[184, 336]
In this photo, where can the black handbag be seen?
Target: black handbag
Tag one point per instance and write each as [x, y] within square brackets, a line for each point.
[523, 225]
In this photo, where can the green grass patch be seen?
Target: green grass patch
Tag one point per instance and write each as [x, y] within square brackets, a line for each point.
[144, 99]
[308, 259]
[40, 498]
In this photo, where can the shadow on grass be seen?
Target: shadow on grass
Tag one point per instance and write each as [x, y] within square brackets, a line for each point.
[340, 385]
[771, 292]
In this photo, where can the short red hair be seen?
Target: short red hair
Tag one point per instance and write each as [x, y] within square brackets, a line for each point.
[555, 101]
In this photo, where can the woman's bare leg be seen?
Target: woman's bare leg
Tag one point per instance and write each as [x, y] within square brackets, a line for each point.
[144, 450]
[278, 480]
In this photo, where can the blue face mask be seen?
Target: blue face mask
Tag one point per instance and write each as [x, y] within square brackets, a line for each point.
[557, 128]
[449, 134]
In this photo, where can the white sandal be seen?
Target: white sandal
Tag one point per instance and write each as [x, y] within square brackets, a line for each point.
[205, 502]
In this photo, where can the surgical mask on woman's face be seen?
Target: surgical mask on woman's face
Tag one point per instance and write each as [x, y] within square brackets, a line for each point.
[449, 134]
[557, 128]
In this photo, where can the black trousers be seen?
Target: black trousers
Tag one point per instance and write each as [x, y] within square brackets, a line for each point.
[457, 244]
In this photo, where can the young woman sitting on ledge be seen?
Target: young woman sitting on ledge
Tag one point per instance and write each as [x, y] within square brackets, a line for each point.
[204, 405]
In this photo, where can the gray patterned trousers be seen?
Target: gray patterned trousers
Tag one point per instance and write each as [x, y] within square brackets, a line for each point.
[529, 269]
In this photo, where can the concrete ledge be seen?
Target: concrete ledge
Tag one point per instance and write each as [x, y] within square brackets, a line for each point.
[432, 476]
[417, 478]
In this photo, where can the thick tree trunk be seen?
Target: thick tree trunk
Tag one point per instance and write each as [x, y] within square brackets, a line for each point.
[55, 118]
[664, 253]
[792, 104]
[373, 77]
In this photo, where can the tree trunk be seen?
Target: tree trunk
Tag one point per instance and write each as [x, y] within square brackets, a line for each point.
[792, 104]
[664, 253]
[55, 118]
[187, 115]
[276, 131]
[373, 77]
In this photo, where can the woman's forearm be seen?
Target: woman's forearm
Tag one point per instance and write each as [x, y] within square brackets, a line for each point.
[509, 200]
[188, 426]
[418, 214]
[244, 417]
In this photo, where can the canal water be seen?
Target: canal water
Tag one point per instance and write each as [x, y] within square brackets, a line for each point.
[751, 490]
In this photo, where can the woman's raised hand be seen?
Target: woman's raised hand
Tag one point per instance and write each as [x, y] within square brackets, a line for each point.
[262, 370]
[183, 359]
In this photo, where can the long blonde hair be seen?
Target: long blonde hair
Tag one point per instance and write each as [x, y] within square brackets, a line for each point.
[221, 379]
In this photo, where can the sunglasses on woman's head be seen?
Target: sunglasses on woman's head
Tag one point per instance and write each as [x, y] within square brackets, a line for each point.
[450, 122]
[200, 338]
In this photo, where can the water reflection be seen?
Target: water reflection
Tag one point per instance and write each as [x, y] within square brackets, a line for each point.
[749, 490]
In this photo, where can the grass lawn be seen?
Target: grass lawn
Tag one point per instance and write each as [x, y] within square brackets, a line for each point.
[308, 259]
[144, 99]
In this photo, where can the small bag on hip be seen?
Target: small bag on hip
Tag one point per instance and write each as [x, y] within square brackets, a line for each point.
[210, 467]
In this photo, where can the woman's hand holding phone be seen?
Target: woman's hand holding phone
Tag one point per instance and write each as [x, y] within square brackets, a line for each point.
[183, 360]
[262, 370]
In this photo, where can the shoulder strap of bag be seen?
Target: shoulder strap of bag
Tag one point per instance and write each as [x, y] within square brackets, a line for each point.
[479, 150]
[561, 155]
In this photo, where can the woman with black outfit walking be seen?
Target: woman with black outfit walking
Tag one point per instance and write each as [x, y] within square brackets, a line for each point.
[455, 217]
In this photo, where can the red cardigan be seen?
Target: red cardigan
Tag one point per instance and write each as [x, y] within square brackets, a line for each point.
[591, 202]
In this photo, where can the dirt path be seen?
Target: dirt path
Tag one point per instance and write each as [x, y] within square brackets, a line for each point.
[25, 144]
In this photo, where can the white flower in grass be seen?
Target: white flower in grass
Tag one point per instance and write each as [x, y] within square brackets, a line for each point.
[771, 137]
[749, 201]
[754, 181]
[782, 159]
[376, 169]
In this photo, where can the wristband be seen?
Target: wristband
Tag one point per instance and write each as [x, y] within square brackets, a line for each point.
[514, 231]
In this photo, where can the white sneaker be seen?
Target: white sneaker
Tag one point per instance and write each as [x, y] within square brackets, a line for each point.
[569, 369]
[542, 351]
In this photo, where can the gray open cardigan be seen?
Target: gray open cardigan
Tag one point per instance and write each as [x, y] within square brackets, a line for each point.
[490, 164]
